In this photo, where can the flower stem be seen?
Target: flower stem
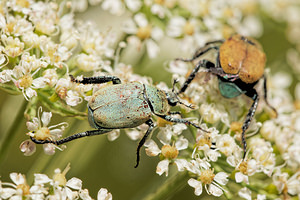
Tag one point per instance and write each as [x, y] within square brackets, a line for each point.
[7, 140]
[170, 187]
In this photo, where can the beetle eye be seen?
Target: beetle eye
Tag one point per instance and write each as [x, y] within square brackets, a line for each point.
[172, 98]
[172, 102]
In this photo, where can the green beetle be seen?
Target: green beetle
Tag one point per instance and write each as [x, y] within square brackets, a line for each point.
[125, 105]
[239, 66]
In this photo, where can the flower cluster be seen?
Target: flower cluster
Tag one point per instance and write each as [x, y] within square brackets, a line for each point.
[41, 44]
[43, 187]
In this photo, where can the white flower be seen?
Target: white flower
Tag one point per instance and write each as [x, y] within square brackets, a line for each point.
[6, 76]
[210, 181]
[88, 62]
[46, 188]
[245, 193]
[169, 153]
[39, 130]
[23, 79]
[15, 25]
[143, 32]
[133, 5]
[95, 42]
[16, 190]
[13, 47]
[262, 154]
[226, 144]
[286, 183]
[212, 113]
[44, 17]
[103, 194]
[115, 7]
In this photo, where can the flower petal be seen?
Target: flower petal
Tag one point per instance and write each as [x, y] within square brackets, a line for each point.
[181, 143]
[162, 167]
[103, 194]
[221, 178]
[41, 179]
[197, 185]
[214, 190]
[74, 183]
[152, 148]
[17, 178]
[46, 117]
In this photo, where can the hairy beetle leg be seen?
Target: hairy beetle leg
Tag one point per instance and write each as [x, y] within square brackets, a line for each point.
[97, 79]
[203, 63]
[143, 140]
[254, 96]
[203, 50]
[72, 137]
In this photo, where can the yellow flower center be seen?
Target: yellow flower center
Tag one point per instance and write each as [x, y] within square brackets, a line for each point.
[60, 178]
[169, 152]
[243, 167]
[236, 126]
[228, 12]
[10, 27]
[297, 104]
[25, 188]
[207, 176]
[42, 134]
[203, 141]
[144, 32]
[162, 122]
[62, 92]
[23, 3]
[161, 2]
[26, 81]
[189, 29]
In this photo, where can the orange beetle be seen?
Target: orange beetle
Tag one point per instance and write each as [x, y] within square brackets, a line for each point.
[239, 66]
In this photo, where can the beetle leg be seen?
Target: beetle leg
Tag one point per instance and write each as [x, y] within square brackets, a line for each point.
[199, 52]
[202, 63]
[265, 96]
[72, 137]
[143, 140]
[97, 80]
[254, 96]
[179, 120]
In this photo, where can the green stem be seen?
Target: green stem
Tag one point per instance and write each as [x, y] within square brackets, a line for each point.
[7, 140]
[170, 187]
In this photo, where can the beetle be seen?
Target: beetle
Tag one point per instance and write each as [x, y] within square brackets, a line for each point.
[125, 105]
[239, 65]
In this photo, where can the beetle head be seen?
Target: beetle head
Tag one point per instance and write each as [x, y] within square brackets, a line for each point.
[173, 99]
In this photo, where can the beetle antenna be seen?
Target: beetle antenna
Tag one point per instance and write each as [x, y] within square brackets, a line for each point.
[174, 83]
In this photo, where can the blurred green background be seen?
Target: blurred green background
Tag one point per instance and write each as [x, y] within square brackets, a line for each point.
[96, 161]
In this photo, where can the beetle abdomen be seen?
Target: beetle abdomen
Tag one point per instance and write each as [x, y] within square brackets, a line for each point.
[229, 89]
[120, 106]
[243, 56]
